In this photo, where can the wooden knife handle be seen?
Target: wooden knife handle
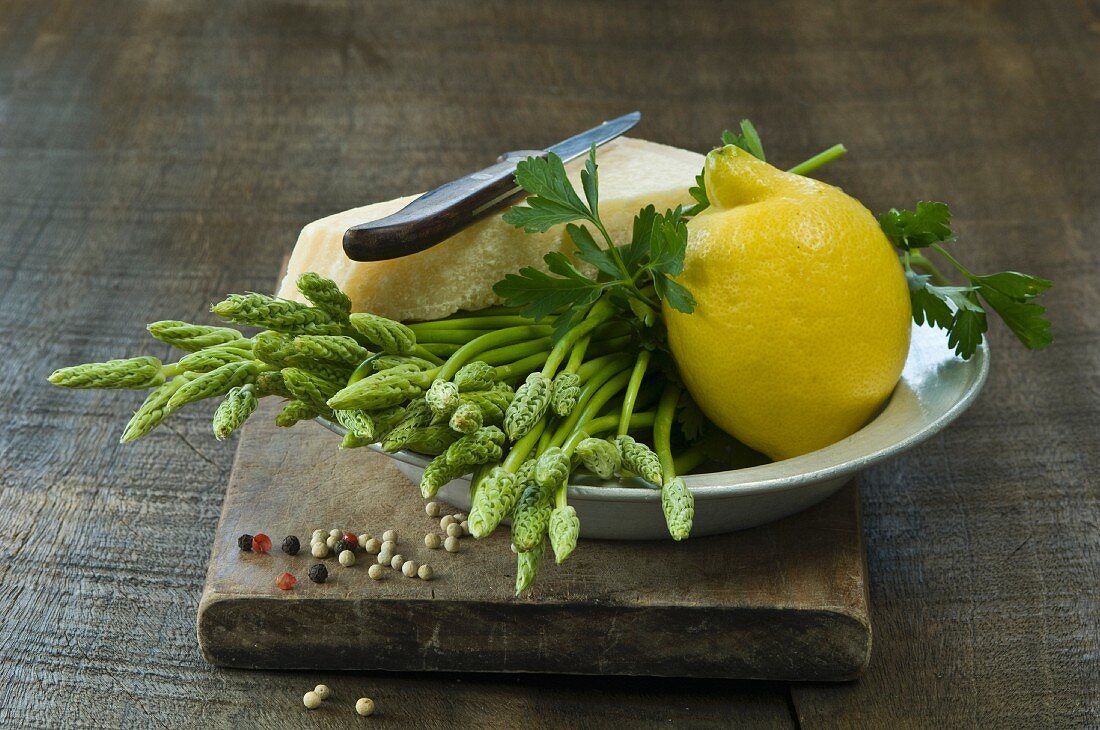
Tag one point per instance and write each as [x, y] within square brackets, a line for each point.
[439, 214]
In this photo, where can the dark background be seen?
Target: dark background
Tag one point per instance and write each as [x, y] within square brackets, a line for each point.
[155, 156]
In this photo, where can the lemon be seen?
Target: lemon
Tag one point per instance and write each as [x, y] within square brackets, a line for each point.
[802, 319]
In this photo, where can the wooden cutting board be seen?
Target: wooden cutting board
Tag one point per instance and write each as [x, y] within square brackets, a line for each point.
[784, 601]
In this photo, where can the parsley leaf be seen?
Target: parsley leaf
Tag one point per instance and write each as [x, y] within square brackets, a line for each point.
[967, 328]
[748, 140]
[634, 253]
[668, 244]
[590, 251]
[590, 182]
[690, 417]
[540, 294]
[927, 306]
[553, 199]
[677, 295]
[1013, 284]
[930, 223]
[699, 193]
[1025, 319]
[958, 309]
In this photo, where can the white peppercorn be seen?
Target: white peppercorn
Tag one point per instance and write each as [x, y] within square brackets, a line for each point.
[384, 557]
[373, 546]
[363, 540]
[335, 533]
[319, 550]
[451, 544]
[424, 572]
[318, 535]
[454, 530]
[447, 520]
[323, 691]
[311, 700]
[347, 558]
[432, 509]
[465, 525]
[397, 561]
[375, 571]
[389, 536]
[331, 541]
[432, 541]
[364, 706]
[459, 516]
[409, 568]
[389, 545]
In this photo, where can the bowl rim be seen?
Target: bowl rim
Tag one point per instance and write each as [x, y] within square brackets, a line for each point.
[745, 481]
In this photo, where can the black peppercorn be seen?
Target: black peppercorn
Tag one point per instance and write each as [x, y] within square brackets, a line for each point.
[291, 546]
[244, 542]
[318, 573]
[342, 545]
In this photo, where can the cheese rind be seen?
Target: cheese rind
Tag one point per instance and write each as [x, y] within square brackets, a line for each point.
[459, 273]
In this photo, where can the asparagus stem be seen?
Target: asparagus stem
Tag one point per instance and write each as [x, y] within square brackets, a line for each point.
[470, 351]
[600, 313]
[631, 396]
[522, 448]
[607, 347]
[588, 407]
[428, 355]
[662, 430]
[520, 368]
[449, 337]
[439, 350]
[576, 356]
[603, 424]
[688, 459]
[589, 369]
[490, 322]
[511, 353]
[595, 381]
[480, 472]
[561, 496]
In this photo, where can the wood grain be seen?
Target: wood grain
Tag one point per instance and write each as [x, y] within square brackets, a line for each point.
[154, 156]
[784, 601]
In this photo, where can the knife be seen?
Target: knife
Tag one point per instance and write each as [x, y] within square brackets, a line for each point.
[443, 212]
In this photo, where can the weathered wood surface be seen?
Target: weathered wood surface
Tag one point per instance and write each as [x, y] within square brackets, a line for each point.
[784, 601]
[154, 156]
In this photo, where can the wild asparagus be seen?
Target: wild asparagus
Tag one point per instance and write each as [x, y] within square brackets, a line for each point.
[234, 410]
[528, 407]
[132, 373]
[325, 295]
[191, 337]
[281, 315]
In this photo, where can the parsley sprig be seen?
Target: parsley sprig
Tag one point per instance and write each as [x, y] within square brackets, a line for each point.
[636, 275]
[959, 309]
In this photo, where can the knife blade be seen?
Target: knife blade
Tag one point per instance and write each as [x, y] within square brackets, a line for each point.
[446, 210]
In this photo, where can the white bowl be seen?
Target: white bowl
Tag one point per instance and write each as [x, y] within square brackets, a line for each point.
[935, 388]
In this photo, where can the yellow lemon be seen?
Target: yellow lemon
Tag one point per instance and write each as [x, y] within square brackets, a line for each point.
[802, 322]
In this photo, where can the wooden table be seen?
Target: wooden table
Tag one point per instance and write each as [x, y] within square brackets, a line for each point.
[154, 156]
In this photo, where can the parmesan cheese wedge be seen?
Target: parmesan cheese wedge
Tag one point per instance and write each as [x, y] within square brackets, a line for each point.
[459, 273]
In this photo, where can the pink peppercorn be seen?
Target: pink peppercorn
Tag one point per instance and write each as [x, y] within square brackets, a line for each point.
[261, 543]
